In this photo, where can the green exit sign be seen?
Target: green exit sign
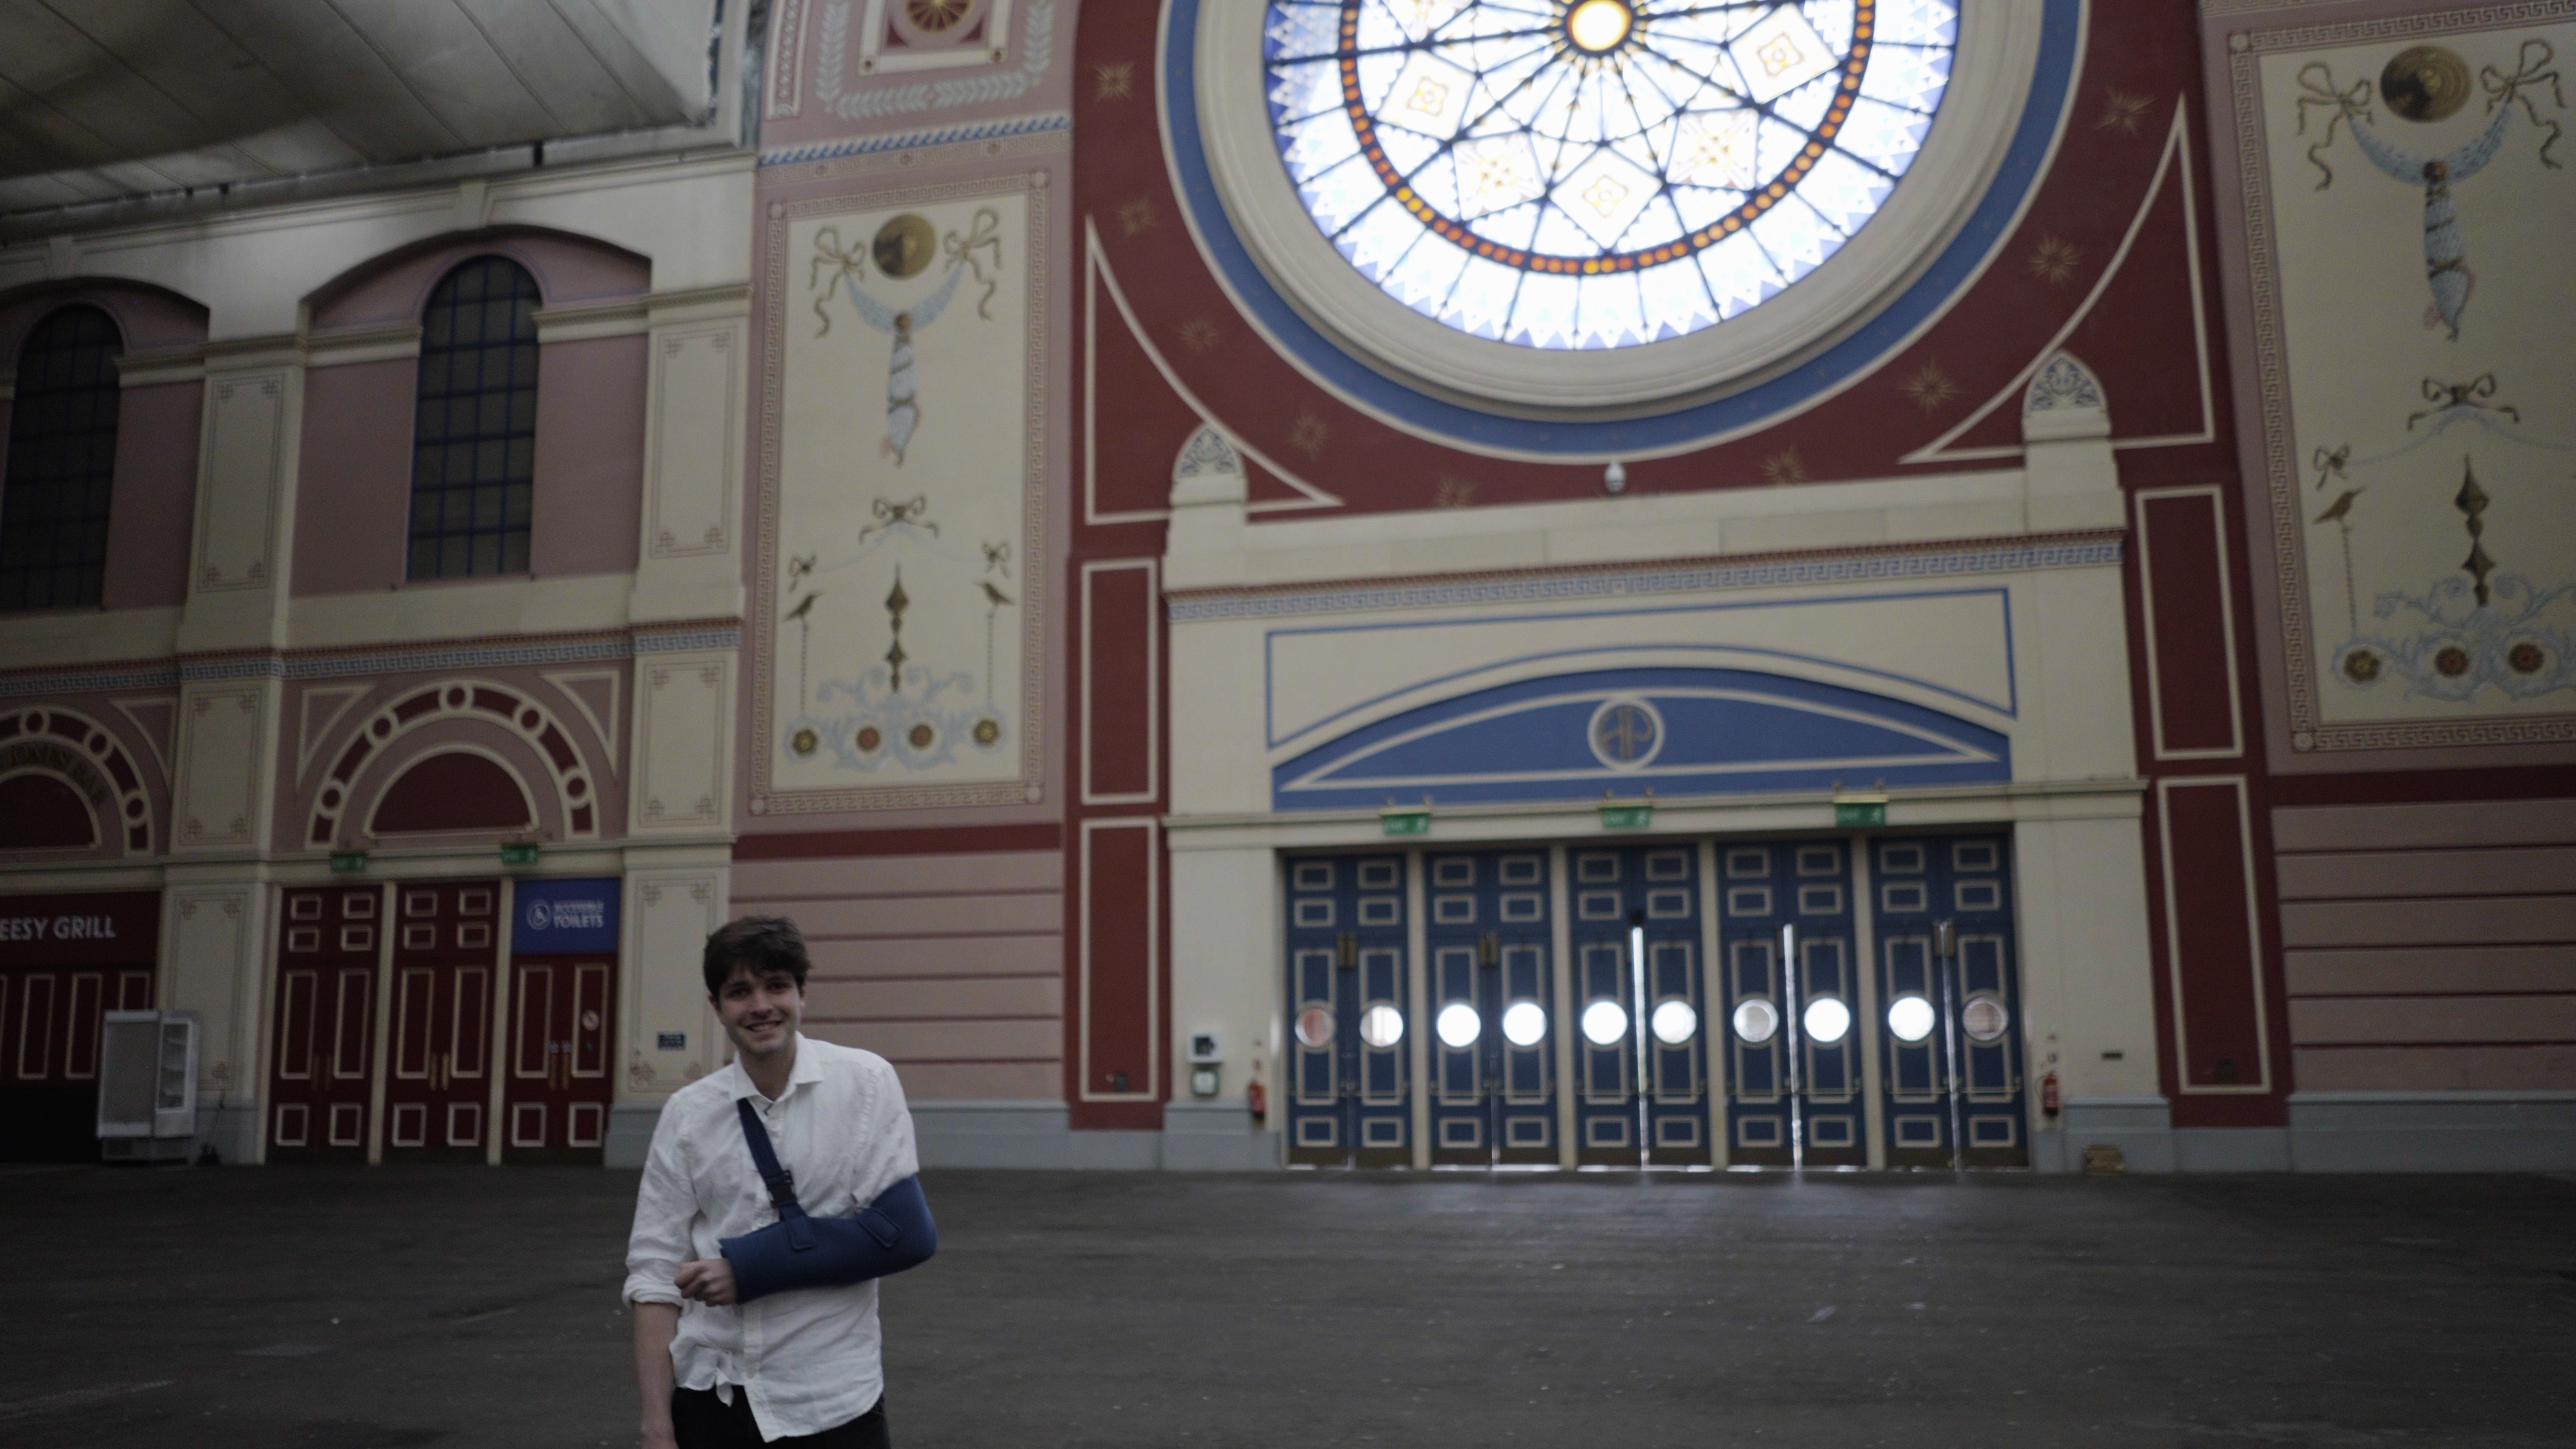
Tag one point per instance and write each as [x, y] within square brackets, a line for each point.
[1627, 817]
[348, 862]
[1860, 812]
[523, 853]
[1404, 822]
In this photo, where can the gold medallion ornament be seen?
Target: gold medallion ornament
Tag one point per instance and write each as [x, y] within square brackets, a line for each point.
[1597, 27]
[869, 739]
[921, 735]
[936, 17]
[804, 742]
[987, 731]
[2425, 83]
[905, 245]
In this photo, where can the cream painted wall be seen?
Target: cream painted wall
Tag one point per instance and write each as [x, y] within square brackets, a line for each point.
[2057, 685]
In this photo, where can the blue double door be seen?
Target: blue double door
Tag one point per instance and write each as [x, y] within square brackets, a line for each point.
[1794, 1027]
[1837, 1002]
[1952, 1041]
[1492, 998]
[1350, 1089]
[1640, 1014]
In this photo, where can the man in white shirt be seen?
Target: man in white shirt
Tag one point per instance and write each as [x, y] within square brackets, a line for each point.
[799, 1366]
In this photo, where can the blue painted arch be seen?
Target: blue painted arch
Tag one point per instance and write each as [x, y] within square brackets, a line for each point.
[1680, 731]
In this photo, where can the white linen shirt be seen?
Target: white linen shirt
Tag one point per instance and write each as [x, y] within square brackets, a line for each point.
[808, 1357]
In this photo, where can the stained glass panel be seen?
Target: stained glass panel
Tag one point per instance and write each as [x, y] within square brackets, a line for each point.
[1598, 173]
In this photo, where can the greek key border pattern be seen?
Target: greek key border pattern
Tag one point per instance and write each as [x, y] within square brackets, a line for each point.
[396, 659]
[1039, 124]
[2447, 22]
[1884, 567]
[2545, 730]
[674, 641]
[89, 681]
[2271, 379]
[1028, 786]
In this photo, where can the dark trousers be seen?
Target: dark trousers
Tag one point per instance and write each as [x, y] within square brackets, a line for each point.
[700, 1420]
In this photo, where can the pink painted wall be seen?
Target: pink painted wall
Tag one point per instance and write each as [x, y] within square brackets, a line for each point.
[153, 500]
[589, 504]
[151, 508]
[392, 289]
[353, 493]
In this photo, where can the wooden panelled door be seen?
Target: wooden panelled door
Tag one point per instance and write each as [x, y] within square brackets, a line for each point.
[555, 1106]
[438, 1079]
[49, 1020]
[329, 949]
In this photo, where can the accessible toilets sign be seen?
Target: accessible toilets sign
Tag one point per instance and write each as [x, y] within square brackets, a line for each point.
[556, 916]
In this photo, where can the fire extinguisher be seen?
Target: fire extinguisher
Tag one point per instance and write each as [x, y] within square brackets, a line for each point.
[1257, 1096]
[2048, 1094]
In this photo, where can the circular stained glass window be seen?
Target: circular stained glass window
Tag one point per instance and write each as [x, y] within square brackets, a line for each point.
[1315, 1028]
[1588, 174]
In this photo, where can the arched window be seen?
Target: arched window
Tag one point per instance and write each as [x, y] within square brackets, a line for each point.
[474, 443]
[62, 456]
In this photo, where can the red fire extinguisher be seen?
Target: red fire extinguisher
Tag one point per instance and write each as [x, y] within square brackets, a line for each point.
[1257, 1096]
[2048, 1094]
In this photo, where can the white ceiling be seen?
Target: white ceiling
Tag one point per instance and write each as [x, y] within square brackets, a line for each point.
[113, 98]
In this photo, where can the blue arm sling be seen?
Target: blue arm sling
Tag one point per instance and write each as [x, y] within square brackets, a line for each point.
[803, 1251]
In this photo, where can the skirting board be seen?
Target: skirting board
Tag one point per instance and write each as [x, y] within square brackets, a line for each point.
[2433, 1131]
[2332, 1132]
[232, 1130]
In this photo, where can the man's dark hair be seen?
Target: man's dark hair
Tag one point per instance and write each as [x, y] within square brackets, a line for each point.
[763, 943]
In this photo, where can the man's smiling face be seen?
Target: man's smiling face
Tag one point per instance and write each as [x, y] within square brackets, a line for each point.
[760, 1009]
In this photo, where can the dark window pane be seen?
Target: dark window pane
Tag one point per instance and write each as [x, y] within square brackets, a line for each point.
[476, 424]
[62, 462]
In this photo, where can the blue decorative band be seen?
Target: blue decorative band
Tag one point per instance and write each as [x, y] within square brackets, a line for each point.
[2086, 552]
[914, 140]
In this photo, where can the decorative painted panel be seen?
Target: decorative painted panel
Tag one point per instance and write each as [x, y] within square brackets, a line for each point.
[246, 427]
[900, 588]
[2405, 240]
[222, 737]
[683, 742]
[695, 440]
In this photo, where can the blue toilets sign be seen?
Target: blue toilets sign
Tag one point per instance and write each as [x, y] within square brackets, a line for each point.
[555, 916]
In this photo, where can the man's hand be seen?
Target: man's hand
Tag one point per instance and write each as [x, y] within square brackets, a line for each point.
[708, 1280]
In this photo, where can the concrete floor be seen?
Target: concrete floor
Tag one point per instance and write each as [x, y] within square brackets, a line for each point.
[349, 1309]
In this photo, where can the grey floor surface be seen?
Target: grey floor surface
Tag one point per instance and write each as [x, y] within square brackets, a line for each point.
[353, 1309]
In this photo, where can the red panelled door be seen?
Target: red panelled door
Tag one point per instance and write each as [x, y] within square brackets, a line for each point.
[330, 946]
[438, 1079]
[555, 1107]
[49, 1020]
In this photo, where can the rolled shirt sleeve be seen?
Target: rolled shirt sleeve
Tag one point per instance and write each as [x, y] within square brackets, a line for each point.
[885, 1142]
[665, 1212]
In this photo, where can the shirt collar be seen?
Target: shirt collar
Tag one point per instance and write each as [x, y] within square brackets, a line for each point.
[808, 1069]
